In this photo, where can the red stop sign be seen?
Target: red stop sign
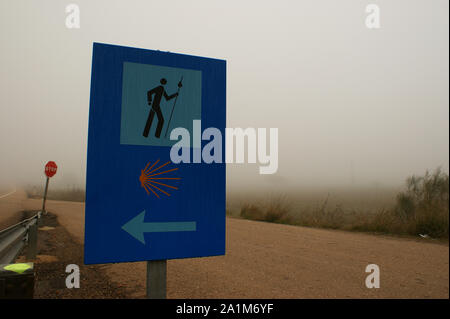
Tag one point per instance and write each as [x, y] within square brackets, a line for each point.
[50, 169]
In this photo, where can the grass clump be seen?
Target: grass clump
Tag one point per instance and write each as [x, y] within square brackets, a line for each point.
[72, 194]
[275, 211]
[424, 205]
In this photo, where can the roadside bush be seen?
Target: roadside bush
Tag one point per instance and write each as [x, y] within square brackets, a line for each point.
[249, 211]
[276, 211]
[422, 208]
[73, 194]
[424, 204]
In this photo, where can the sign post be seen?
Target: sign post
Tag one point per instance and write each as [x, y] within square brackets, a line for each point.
[156, 279]
[145, 201]
[50, 171]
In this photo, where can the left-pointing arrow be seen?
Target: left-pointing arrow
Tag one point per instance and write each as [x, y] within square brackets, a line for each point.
[136, 227]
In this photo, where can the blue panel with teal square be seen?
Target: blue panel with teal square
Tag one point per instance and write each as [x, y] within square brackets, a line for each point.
[139, 205]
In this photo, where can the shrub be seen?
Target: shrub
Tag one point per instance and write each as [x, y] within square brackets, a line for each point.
[422, 208]
[73, 194]
[424, 204]
[251, 212]
[277, 210]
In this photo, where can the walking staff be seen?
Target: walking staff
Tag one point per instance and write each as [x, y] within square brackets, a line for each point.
[180, 84]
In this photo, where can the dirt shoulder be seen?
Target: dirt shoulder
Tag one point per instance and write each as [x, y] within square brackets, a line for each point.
[265, 260]
[56, 249]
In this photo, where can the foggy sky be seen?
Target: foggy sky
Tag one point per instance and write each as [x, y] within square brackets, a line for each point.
[353, 105]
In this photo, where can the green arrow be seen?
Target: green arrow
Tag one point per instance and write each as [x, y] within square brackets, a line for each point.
[136, 227]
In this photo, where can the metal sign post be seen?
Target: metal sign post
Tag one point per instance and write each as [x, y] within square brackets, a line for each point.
[50, 171]
[45, 195]
[156, 279]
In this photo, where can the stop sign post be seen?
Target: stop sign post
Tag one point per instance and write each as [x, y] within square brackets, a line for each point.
[50, 171]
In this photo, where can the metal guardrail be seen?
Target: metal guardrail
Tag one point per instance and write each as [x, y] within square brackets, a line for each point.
[14, 238]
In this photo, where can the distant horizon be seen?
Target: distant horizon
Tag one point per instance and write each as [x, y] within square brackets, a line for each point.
[270, 183]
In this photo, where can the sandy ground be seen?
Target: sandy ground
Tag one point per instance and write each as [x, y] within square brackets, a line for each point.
[11, 206]
[58, 248]
[280, 261]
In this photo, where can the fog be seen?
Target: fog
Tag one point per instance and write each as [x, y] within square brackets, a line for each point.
[354, 106]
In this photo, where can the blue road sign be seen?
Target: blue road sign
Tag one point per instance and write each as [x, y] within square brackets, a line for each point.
[139, 204]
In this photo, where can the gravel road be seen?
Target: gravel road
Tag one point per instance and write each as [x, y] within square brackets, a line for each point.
[11, 206]
[266, 260]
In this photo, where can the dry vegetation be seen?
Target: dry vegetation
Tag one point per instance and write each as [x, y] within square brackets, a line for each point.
[422, 208]
[72, 194]
[276, 211]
